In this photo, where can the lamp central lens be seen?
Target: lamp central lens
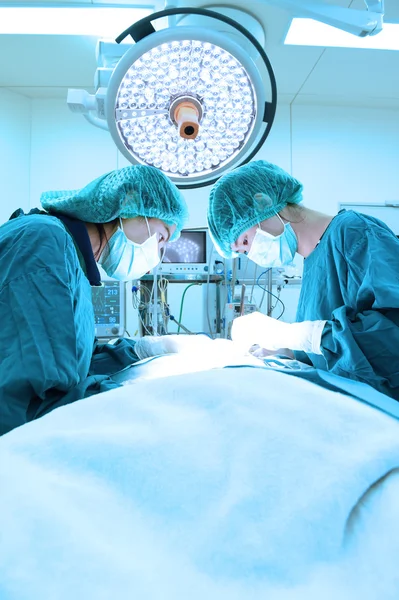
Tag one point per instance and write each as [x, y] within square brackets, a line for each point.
[189, 68]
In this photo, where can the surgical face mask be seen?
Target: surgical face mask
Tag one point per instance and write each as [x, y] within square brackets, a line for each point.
[125, 260]
[274, 251]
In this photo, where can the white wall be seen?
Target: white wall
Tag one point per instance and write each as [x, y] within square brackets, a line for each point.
[67, 152]
[345, 154]
[340, 154]
[15, 144]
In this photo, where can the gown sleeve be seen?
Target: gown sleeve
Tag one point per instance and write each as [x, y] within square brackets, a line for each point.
[362, 341]
[111, 358]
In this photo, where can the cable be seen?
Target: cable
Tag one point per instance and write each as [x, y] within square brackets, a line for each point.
[246, 265]
[172, 318]
[207, 291]
[233, 279]
[163, 287]
[124, 287]
[271, 294]
[154, 312]
[264, 291]
[143, 324]
[139, 304]
[279, 289]
[181, 305]
[253, 283]
[226, 285]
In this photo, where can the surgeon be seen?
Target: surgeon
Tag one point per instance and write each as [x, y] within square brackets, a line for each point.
[48, 263]
[348, 312]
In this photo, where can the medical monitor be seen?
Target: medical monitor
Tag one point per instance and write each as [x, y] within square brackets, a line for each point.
[109, 309]
[187, 255]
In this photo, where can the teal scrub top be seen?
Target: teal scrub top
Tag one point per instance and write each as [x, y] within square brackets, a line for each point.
[351, 280]
[49, 355]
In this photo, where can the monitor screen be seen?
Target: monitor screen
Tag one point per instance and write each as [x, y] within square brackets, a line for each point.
[108, 308]
[190, 248]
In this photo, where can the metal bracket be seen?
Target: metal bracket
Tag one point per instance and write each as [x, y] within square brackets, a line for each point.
[376, 6]
[358, 22]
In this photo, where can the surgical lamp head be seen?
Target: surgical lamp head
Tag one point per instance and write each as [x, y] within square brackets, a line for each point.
[190, 101]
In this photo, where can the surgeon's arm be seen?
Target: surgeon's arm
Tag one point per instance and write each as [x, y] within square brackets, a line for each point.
[172, 344]
[110, 358]
[365, 346]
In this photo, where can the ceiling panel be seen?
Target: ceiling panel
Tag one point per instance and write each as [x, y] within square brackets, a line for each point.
[356, 73]
[47, 60]
[289, 71]
[335, 75]
[46, 66]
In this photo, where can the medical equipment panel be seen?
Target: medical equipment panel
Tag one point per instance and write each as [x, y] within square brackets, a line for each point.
[188, 303]
[188, 254]
[109, 309]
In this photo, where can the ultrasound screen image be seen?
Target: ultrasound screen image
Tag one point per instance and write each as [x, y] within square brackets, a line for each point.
[190, 248]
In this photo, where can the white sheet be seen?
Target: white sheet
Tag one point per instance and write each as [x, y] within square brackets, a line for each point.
[224, 484]
[221, 353]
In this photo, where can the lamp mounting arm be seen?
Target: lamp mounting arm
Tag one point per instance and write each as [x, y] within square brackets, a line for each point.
[361, 23]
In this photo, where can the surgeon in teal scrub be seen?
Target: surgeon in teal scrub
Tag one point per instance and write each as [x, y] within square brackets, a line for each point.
[348, 313]
[48, 262]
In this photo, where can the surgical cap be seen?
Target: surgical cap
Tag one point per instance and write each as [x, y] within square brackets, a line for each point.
[136, 191]
[246, 196]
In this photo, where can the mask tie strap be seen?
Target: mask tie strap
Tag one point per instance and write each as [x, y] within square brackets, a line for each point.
[282, 222]
[149, 233]
[148, 227]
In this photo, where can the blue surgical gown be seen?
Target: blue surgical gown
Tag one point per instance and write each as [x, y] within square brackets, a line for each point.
[47, 336]
[351, 280]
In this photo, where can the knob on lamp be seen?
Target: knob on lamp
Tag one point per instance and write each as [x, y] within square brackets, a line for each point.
[186, 117]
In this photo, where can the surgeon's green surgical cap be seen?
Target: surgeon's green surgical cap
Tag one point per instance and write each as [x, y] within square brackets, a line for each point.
[246, 196]
[136, 191]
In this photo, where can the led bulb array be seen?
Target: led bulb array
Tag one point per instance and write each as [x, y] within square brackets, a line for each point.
[185, 68]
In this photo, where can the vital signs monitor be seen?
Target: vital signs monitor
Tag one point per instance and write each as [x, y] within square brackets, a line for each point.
[109, 309]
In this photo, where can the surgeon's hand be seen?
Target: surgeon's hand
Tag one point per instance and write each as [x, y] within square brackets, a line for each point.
[259, 329]
[272, 334]
[171, 344]
[259, 352]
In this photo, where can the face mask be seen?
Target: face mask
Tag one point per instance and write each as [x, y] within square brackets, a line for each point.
[274, 251]
[125, 260]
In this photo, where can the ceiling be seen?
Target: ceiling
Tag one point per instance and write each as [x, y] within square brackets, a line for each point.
[46, 66]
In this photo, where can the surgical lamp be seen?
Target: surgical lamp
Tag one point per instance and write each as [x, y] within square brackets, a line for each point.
[192, 101]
